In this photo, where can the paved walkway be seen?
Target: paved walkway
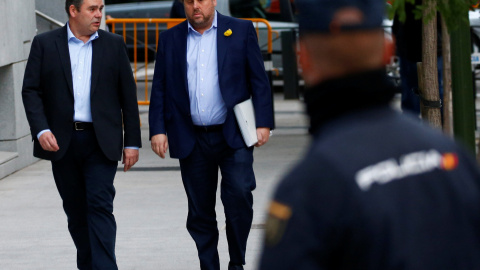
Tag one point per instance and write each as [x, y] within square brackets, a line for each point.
[150, 207]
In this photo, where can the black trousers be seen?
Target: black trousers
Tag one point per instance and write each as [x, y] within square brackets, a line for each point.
[84, 179]
[200, 178]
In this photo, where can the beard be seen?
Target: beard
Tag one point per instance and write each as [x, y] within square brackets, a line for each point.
[201, 22]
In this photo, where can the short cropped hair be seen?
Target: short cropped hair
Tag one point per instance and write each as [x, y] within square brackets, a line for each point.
[76, 3]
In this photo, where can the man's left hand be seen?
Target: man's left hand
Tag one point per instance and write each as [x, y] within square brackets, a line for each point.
[263, 134]
[130, 157]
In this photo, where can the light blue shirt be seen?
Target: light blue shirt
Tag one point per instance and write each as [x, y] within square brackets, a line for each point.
[81, 65]
[206, 103]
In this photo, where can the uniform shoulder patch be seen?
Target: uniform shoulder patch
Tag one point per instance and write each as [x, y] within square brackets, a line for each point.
[278, 216]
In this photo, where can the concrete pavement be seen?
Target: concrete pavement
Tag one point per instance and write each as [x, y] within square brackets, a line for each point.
[150, 207]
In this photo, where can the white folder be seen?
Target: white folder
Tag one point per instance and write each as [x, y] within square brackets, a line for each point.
[245, 115]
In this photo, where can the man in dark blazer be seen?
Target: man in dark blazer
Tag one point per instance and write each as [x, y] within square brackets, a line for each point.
[205, 66]
[78, 92]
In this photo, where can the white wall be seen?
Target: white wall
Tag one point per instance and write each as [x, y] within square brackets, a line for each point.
[17, 21]
[52, 8]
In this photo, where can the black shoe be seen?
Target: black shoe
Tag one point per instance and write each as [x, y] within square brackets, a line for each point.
[232, 266]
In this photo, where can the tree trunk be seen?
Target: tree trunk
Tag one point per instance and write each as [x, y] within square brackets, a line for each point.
[429, 95]
[447, 81]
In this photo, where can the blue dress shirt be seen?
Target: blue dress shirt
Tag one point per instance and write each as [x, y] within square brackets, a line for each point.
[206, 103]
[81, 65]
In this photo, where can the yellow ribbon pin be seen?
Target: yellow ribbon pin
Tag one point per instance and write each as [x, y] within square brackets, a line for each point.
[228, 33]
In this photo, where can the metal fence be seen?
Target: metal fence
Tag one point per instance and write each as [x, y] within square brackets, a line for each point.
[143, 34]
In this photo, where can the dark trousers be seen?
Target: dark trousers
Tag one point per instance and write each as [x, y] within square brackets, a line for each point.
[84, 179]
[200, 178]
[409, 86]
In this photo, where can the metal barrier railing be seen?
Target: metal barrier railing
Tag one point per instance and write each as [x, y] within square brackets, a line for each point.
[49, 19]
[167, 23]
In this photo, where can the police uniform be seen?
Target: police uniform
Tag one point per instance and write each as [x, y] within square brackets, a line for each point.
[377, 189]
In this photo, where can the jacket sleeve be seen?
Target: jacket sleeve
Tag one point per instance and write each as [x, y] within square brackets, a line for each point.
[258, 81]
[32, 92]
[157, 99]
[128, 97]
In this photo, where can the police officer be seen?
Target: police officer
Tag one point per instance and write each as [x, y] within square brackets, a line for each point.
[377, 189]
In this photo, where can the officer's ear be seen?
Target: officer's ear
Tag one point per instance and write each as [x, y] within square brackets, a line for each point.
[305, 59]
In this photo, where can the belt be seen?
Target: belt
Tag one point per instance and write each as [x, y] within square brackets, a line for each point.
[208, 128]
[82, 126]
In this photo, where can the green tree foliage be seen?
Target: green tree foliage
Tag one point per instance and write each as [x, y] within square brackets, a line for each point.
[451, 10]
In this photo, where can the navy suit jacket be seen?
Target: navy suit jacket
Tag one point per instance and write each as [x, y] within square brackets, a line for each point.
[241, 75]
[48, 93]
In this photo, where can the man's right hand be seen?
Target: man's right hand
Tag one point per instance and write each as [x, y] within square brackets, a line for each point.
[160, 144]
[48, 142]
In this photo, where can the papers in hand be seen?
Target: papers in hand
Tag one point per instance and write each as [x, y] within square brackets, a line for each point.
[246, 121]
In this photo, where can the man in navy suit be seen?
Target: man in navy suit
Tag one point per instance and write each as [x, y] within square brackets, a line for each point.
[80, 99]
[205, 66]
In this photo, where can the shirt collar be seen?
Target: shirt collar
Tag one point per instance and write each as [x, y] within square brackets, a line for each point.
[214, 24]
[71, 35]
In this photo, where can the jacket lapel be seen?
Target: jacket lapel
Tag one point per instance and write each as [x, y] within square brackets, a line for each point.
[62, 46]
[97, 57]
[222, 40]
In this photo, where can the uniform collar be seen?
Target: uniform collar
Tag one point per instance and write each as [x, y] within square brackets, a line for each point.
[334, 98]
